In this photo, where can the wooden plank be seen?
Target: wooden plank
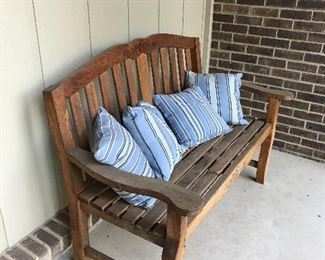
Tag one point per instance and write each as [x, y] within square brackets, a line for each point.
[165, 70]
[156, 72]
[187, 179]
[264, 157]
[105, 199]
[188, 59]
[224, 181]
[196, 178]
[182, 200]
[91, 96]
[133, 214]
[79, 120]
[233, 149]
[152, 216]
[95, 254]
[118, 208]
[157, 239]
[175, 237]
[107, 95]
[181, 67]
[253, 163]
[121, 95]
[144, 78]
[173, 68]
[196, 57]
[92, 191]
[133, 90]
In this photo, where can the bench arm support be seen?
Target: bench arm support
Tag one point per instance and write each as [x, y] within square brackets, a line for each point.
[270, 93]
[184, 202]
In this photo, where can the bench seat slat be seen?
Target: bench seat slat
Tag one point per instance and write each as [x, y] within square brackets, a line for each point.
[189, 176]
[202, 171]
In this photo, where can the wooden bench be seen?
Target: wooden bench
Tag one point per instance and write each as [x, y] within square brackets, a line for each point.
[119, 77]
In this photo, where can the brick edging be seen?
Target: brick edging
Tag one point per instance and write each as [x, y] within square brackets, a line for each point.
[48, 241]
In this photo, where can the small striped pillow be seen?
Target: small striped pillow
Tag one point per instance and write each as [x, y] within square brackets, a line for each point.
[223, 93]
[113, 145]
[158, 143]
[190, 117]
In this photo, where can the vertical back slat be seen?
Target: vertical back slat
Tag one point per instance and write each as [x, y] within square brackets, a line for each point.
[196, 57]
[144, 77]
[181, 67]
[79, 119]
[121, 95]
[155, 70]
[106, 93]
[173, 68]
[188, 59]
[164, 70]
[131, 82]
[91, 96]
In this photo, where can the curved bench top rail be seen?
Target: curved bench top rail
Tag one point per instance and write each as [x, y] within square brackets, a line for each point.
[120, 53]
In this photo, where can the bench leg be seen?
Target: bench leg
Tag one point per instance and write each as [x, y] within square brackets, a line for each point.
[175, 237]
[266, 147]
[79, 232]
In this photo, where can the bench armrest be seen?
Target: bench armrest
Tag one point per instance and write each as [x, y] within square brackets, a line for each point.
[183, 201]
[278, 94]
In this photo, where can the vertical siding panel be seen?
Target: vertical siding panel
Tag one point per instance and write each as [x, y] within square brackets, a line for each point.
[64, 37]
[193, 11]
[108, 23]
[171, 16]
[63, 31]
[28, 184]
[143, 17]
[3, 238]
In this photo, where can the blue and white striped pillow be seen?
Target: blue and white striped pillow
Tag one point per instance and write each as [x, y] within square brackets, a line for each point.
[223, 93]
[190, 116]
[158, 143]
[113, 145]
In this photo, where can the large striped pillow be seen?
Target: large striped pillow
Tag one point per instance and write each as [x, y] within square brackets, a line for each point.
[113, 145]
[223, 93]
[190, 116]
[158, 143]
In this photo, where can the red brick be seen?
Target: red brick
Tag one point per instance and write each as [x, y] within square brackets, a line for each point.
[305, 46]
[265, 12]
[236, 9]
[223, 17]
[279, 23]
[262, 31]
[319, 16]
[302, 66]
[260, 50]
[272, 62]
[309, 26]
[311, 4]
[287, 54]
[275, 42]
[248, 20]
[244, 57]
[295, 14]
[292, 35]
[281, 3]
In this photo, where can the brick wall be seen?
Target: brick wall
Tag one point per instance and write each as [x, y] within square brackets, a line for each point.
[278, 44]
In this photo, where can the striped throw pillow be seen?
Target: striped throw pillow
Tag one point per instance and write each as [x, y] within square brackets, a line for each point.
[223, 93]
[113, 145]
[158, 143]
[190, 117]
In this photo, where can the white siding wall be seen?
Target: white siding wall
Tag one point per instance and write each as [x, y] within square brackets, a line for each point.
[41, 42]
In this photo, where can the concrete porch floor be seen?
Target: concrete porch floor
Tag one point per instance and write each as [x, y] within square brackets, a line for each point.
[282, 220]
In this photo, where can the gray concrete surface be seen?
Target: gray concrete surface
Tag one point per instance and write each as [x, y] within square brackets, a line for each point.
[282, 220]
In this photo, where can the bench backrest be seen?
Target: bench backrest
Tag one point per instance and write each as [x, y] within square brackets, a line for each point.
[116, 78]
